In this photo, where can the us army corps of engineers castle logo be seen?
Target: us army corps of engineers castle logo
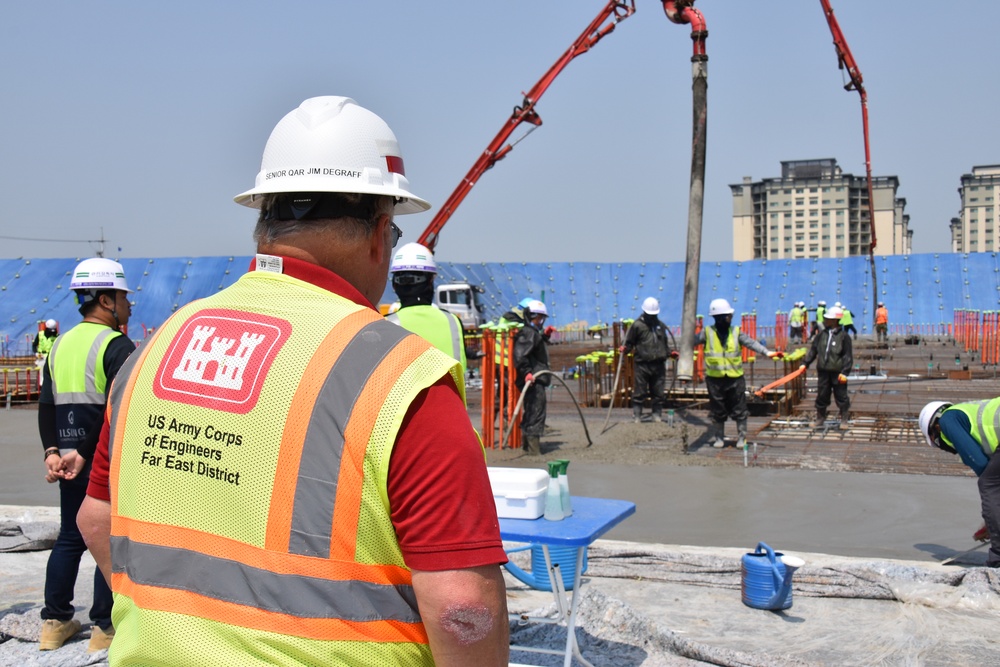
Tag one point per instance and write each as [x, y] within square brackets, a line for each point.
[219, 359]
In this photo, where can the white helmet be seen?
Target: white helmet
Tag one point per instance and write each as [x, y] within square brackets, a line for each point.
[331, 144]
[821, 303]
[97, 274]
[51, 324]
[719, 307]
[651, 306]
[413, 257]
[837, 304]
[834, 313]
[881, 303]
[929, 413]
[536, 307]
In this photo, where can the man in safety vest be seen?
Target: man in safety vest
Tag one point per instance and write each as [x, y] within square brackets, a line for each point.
[506, 328]
[727, 389]
[847, 320]
[76, 378]
[294, 480]
[970, 430]
[834, 356]
[413, 269]
[882, 323]
[796, 318]
[44, 339]
[647, 340]
[817, 325]
[531, 356]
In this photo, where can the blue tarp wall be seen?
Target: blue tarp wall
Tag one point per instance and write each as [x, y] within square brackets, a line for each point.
[917, 289]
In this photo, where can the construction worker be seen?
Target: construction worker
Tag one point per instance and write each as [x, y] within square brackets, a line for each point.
[970, 430]
[295, 480]
[531, 356]
[506, 327]
[817, 325]
[882, 323]
[727, 390]
[44, 340]
[847, 321]
[832, 351]
[413, 269]
[76, 378]
[647, 340]
[796, 320]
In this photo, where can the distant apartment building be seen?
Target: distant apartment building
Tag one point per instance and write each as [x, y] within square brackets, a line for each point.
[977, 229]
[816, 210]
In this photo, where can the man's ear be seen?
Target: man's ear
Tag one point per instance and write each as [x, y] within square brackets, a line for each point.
[379, 239]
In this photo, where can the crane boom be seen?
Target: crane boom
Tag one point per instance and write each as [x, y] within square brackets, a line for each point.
[845, 60]
[605, 22]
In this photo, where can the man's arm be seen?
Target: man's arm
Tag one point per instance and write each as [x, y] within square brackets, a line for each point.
[94, 522]
[955, 425]
[465, 614]
[848, 359]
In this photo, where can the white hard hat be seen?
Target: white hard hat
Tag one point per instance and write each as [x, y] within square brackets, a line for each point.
[99, 273]
[51, 324]
[536, 307]
[719, 307]
[881, 303]
[413, 257]
[836, 305]
[928, 414]
[331, 144]
[651, 306]
[834, 313]
[821, 303]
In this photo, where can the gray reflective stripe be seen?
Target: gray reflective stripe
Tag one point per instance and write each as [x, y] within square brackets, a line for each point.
[394, 318]
[456, 335]
[717, 357]
[91, 394]
[316, 488]
[117, 395]
[230, 581]
[984, 442]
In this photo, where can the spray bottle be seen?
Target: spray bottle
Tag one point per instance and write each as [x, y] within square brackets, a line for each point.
[567, 505]
[553, 501]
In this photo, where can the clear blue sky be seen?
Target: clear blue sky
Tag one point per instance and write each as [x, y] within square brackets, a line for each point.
[144, 119]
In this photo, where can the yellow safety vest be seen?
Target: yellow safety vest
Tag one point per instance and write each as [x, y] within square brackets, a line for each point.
[985, 419]
[45, 344]
[438, 327]
[76, 367]
[723, 362]
[250, 448]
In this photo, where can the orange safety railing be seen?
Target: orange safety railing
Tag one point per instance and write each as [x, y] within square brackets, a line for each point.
[990, 352]
[22, 384]
[699, 353]
[748, 325]
[967, 329]
[781, 323]
[500, 393]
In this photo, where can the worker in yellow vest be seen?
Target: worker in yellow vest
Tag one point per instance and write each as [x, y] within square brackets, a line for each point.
[76, 378]
[289, 478]
[413, 269]
[727, 389]
[970, 430]
[44, 339]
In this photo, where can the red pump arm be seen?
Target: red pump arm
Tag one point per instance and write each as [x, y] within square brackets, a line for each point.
[615, 11]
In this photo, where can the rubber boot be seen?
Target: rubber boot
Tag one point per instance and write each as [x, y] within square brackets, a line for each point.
[716, 435]
[741, 434]
[818, 420]
[532, 445]
[657, 417]
[844, 416]
[636, 414]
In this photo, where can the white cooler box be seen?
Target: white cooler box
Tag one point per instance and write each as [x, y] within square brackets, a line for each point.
[519, 492]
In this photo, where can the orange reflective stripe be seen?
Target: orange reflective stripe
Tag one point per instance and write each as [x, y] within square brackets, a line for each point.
[343, 541]
[324, 629]
[279, 521]
[119, 426]
[189, 539]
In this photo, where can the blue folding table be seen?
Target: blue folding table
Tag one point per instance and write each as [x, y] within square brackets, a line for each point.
[591, 518]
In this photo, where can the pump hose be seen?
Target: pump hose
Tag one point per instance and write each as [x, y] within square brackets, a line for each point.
[520, 402]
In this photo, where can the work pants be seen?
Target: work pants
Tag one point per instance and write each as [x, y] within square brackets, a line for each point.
[727, 397]
[650, 380]
[882, 330]
[795, 335]
[64, 562]
[989, 495]
[533, 411]
[851, 330]
[827, 382]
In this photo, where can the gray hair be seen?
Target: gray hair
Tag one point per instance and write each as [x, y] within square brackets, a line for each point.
[360, 213]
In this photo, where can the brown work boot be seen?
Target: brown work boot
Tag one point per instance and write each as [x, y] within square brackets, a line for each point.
[844, 421]
[818, 421]
[99, 639]
[55, 633]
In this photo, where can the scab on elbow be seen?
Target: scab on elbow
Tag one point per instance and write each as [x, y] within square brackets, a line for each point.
[466, 623]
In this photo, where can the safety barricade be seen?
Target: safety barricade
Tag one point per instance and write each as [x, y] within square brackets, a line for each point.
[990, 352]
[21, 385]
[781, 324]
[748, 325]
[500, 393]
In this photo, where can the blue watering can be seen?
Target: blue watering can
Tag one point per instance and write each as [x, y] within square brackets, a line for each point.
[767, 578]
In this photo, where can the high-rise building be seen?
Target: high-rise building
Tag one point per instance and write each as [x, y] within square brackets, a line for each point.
[977, 229]
[816, 210]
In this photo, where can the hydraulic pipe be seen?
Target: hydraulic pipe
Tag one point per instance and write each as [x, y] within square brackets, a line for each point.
[681, 11]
